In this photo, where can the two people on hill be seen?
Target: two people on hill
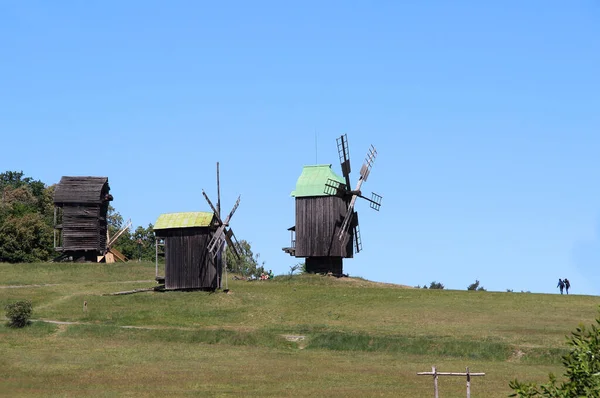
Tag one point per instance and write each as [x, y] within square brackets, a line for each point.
[563, 284]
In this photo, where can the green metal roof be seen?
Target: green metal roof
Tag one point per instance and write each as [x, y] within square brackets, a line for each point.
[184, 220]
[313, 179]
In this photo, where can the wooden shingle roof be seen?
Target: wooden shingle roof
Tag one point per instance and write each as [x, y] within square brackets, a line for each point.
[85, 190]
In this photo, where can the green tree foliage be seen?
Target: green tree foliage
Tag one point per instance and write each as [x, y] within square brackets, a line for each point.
[26, 217]
[248, 263]
[475, 286]
[19, 313]
[25, 239]
[582, 372]
[136, 245]
[436, 285]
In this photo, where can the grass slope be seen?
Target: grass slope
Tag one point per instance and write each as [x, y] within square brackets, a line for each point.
[356, 338]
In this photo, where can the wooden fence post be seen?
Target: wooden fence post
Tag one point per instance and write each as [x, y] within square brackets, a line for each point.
[435, 382]
[468, 383]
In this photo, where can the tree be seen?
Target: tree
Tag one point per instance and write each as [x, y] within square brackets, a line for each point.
[582, 373]
[25, 239]
[114, 219]
[138, 244]
[475, 286]
[247, 264]
[436, 285]
[298, 267]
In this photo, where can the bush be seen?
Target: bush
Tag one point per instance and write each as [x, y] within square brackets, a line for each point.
[436, 285]
[473, 286]
[582, 369]
[19, 313]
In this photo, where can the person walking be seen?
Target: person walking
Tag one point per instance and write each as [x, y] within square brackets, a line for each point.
[567, 285]
[561, 285]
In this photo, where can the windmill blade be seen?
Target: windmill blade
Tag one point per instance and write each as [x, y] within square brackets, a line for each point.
[216, 241]
[212, 207]
[344, 155]
[357, 239]
[334, 188]
[235, 206]
[365, 170]
[347, 220]
[375, 201]
[118, 234]
[233, 243]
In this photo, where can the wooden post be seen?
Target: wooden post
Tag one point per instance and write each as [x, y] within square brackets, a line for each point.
[218, 192]
[435, 382]
[156, 255]
[224, 262]
[468, 383]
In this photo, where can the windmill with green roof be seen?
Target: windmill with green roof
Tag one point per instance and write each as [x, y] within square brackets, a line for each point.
[194, 244]
[326, 229]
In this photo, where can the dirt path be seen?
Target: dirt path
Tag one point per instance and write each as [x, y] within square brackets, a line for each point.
[63, 284]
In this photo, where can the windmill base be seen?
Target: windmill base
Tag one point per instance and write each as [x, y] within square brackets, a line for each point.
[324, 265]
[78, 256]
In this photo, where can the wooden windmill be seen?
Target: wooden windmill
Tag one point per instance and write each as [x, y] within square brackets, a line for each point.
[194, 244]
[327, 229]
[80, 217]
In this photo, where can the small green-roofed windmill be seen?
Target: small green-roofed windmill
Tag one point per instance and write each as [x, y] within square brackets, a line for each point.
[194, 245]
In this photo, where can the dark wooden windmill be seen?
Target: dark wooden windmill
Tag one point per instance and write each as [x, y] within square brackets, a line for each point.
[326, 229]
[80, 218]
[194, 245]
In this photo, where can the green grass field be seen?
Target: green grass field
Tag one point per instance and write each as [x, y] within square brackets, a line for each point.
[302, 336]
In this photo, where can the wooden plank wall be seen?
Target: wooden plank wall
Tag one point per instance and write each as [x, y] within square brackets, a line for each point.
[83, 229]
[318, 221]
[84, 202]
[188, 265]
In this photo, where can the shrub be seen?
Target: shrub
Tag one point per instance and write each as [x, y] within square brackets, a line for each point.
[582, 365]
[473, 286]
[19, 313]
[436, 285]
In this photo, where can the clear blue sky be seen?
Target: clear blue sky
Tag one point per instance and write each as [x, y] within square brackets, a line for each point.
[486, 116]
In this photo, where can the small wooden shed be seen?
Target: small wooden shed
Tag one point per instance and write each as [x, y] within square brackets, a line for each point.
[319, 217]
[80, 217]
[188, 262]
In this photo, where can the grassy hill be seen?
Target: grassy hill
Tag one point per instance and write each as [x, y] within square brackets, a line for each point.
[301, 336]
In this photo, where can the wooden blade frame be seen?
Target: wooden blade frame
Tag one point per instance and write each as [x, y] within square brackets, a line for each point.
[217, 238]
[364, 174]
[233, 243]
[365, 170]
[375, 201]
[112, 240]
[344, 155]
[347, 220]
[213, 208]
[335, 188]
